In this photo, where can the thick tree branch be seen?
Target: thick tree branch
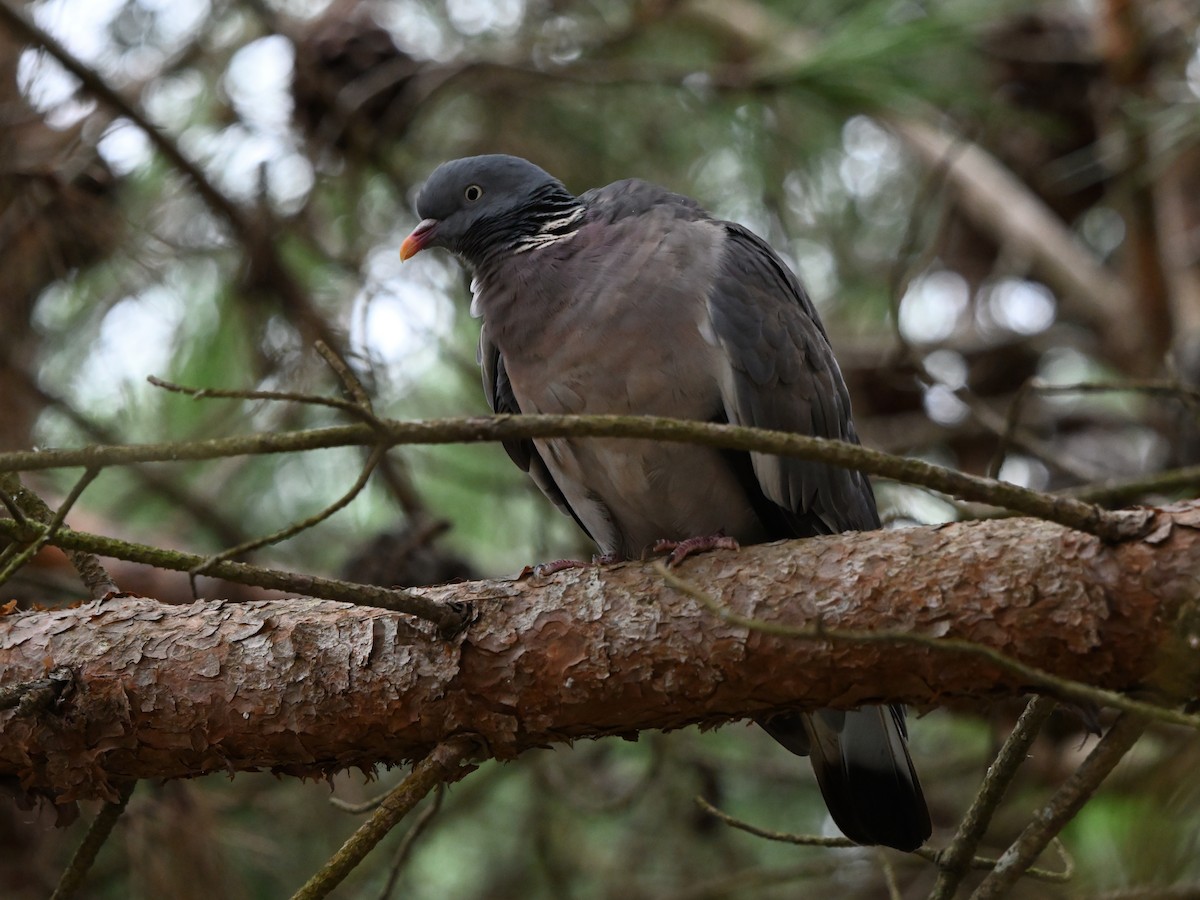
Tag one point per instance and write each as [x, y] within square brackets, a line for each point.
[306, 686]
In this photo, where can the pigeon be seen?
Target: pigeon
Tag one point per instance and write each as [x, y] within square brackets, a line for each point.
[633, 300]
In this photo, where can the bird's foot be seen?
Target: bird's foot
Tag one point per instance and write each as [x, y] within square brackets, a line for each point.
[559, 565]
[681, 550]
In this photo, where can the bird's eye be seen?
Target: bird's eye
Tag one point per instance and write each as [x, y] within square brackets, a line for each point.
[473, 193]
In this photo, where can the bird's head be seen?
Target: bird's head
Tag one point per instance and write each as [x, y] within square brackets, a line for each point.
[481, 204]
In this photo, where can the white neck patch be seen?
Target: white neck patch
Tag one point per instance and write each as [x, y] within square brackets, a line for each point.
[552, 231]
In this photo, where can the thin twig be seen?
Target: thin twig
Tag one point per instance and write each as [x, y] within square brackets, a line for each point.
[1117, 491]
[85, 853]
[358, 394]
[1011, 422]
[168, 487]
[357, 809]
[10, 504]
[410, 840]
[803, 840]
[954, 861]
[448, 617]
[198, 393]
[1023, 439]
[1065, 687]
[815, 840]
[1111, 525]
[1152, 387]
[1023, 222]
[609, 798]
[1062, 807]
[438, 767]
[295, 528]
[934, 185]
[394, 474]
[889, 875]
[91, 573]
[1188, 395]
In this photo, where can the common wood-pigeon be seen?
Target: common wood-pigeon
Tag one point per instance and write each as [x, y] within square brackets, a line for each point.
[630, 299]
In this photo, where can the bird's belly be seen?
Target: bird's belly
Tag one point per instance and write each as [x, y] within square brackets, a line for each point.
[630, 493]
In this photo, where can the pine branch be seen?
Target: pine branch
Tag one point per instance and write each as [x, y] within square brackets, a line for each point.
[308, 687]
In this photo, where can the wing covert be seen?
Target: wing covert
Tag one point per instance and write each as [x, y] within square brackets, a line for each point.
[782, 375]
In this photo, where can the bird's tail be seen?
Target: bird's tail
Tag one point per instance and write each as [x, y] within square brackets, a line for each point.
[867, 778]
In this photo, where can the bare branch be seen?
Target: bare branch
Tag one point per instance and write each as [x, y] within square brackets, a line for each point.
[840, 843]
[1054, 508]
[441, 765]
[199, 393]
[254, 235]
[1189, 396]
[97, 834]
[202, 511]
[308, 687]
[1126, 490]
[296, 527]
[1000, 204]
[803, 840]
[449, 618]
[1063, 806]
[954, 860]
[410, 838]
[34, 509]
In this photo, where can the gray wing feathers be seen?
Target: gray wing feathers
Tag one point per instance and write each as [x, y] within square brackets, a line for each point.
[500, 397]
[782, 375]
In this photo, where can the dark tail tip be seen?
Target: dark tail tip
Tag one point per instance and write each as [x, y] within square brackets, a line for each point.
[865, 773]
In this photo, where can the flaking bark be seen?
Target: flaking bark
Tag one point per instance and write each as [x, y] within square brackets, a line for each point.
[307, 687]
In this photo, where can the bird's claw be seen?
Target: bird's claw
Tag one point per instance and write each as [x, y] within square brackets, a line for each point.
[541, 570]
[681, 550]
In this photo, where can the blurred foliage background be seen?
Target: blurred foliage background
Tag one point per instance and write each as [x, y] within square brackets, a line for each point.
[977, 194]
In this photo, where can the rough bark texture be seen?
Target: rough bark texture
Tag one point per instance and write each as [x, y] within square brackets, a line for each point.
[306, 687]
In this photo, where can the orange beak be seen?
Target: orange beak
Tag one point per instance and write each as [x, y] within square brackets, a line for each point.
[420, 237]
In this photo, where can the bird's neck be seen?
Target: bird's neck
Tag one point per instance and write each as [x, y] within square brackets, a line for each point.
[551, 216]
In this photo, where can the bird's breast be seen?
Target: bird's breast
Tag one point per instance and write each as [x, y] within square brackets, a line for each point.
[615, 323]
[631, 493]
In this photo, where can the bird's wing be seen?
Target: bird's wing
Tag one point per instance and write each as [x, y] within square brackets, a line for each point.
[500, 397]
[780, 373]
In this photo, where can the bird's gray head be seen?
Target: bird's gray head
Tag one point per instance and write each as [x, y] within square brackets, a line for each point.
[481, 205]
